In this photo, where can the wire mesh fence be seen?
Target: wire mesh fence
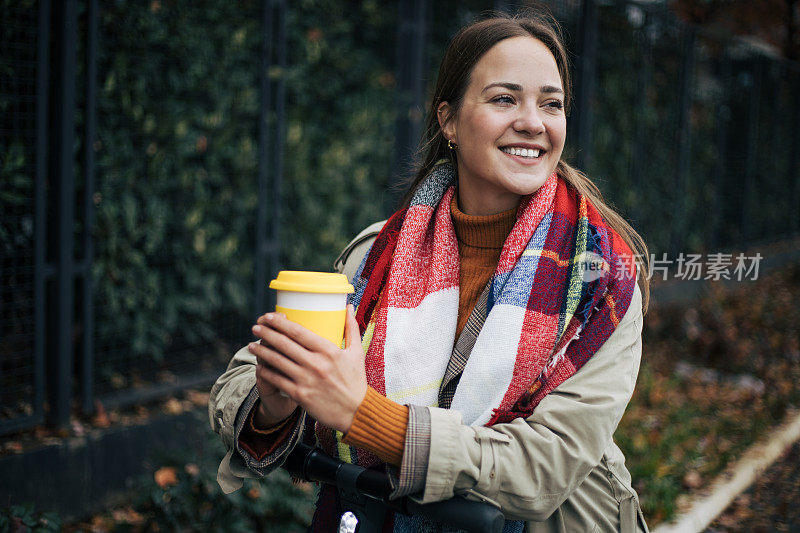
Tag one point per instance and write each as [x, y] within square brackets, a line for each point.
[186, 111]
[20, 379]
[692, 133]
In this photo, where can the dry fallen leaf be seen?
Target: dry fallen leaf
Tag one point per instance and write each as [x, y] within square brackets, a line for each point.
[101, 524]
[692, 479]
[166, 477]
[77, 428]
[127, 515]
[305, 486]
[101, 417]
[197, 398]
[173, 407]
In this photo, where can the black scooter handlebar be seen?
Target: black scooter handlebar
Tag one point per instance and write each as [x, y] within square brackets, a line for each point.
[312, 464]
[459, 512]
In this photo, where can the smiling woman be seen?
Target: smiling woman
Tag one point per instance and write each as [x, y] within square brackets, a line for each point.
[494, 336]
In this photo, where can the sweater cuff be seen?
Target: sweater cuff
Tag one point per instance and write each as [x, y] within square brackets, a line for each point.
[251, 420]
[379, 426]
[261, 442]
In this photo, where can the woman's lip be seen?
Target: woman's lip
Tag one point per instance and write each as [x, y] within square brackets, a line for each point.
[524, 145]
[526, 160]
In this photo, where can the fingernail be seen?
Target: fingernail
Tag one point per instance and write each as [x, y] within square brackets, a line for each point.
[269, 317]
[256, 329]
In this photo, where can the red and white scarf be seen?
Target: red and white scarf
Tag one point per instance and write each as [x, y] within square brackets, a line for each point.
[546, 316]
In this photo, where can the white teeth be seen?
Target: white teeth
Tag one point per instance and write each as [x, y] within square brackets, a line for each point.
[522, 152]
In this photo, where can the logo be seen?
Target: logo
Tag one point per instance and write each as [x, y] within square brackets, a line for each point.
[592, 267]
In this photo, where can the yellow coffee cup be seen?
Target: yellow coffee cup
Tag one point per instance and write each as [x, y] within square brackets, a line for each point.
[315, 300]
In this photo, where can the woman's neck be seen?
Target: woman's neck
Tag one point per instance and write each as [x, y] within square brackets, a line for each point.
[482, 231]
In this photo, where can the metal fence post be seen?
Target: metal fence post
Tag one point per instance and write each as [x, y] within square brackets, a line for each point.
[777, 72]
[60, 346]
[751, 151]
[263, 163]
[769, 176]
[587, 59]
[642, 82]
[270, 157]
[87, 303]
[279, 107]
[684, 141]
[794, 165]
[410, 75]
[720, 165]
[40, 205]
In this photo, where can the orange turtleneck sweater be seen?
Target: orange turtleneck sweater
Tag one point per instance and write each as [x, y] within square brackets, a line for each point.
[380, 424]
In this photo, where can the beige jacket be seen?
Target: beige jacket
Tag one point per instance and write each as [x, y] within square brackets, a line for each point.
[559, 469]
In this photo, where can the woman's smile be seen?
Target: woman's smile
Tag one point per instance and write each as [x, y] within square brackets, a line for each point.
[527, 154]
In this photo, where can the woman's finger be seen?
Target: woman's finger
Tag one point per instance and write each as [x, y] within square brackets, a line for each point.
[275, 360]
[352, 334]
[303, 336]
[278, 380]
[281, 343]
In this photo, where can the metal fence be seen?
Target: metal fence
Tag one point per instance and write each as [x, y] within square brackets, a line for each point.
[691, 134]
[148, 153]
[21, 247]
[68, 146]
[113, 145]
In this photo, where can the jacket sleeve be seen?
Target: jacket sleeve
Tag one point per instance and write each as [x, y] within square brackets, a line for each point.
[235, 393]
[529, 467]
[232, 397]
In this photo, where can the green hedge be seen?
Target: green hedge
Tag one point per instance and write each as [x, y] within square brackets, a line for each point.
[176, 166]
[178, 163]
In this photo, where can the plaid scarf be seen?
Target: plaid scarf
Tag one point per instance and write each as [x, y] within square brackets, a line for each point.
[562, 283]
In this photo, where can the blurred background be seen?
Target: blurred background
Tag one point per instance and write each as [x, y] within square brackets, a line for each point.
[160, 161]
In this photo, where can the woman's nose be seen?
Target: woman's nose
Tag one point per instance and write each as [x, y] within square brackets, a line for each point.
[529, 121]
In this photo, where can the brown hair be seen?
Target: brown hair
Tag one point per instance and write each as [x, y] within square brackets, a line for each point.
[464, 51]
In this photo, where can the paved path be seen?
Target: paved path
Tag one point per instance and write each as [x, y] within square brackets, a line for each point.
[771, 504]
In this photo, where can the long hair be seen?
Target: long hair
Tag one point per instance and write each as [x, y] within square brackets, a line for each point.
[464, 51]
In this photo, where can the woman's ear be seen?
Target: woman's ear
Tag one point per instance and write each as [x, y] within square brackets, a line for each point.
[444, 115]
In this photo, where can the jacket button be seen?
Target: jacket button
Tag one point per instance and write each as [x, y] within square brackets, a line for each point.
[491, 474]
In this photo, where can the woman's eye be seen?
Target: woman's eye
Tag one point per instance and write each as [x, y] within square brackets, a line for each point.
[555, 104]
[503, 99]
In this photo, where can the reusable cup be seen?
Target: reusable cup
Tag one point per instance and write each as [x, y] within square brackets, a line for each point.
[315, 300]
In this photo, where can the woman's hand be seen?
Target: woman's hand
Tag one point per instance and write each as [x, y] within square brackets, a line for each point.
[329, 382]
[273, 406]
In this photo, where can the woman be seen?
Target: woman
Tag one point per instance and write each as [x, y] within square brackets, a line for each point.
[495, 333]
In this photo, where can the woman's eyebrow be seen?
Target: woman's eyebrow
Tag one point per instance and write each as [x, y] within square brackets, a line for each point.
[546, 89]
[508, 85]
[549, 89]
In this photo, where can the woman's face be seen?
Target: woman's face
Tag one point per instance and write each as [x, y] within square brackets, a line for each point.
[511, 127]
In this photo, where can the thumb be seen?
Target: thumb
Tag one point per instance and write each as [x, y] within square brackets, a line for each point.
[352, 335]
